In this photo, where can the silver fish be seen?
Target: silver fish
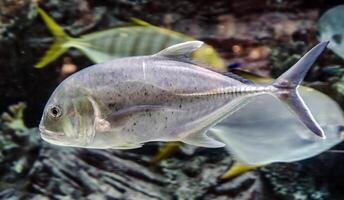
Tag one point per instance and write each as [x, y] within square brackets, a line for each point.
[124, 103]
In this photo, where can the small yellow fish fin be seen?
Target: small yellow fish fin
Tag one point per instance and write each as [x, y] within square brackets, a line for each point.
[61, 38]
[209, 55]
[54, 51]
[237, 169]
[140, 22]
[165, 151]
[54, 28]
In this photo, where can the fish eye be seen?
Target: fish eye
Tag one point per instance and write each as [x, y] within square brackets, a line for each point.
[55, 111]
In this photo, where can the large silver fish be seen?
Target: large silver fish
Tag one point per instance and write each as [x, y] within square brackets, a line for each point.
[163, 97]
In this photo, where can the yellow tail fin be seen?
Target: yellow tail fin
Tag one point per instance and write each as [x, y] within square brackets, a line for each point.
[61, 38]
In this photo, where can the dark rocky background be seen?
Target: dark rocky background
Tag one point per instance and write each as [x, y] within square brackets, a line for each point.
[270, 35]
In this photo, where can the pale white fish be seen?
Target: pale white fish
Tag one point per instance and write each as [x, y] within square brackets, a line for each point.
[331, 28]
[127, 102]
[264, 131]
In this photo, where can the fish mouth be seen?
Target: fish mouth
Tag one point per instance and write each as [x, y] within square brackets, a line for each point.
[49, 134]
[56, 138]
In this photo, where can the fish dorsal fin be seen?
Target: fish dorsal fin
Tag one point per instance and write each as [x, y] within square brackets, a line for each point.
[181, 50]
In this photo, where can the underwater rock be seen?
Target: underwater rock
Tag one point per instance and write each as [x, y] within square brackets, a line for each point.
[15, 118]
[34, 169]
[292, 181]
[14, 16]
[31, 169]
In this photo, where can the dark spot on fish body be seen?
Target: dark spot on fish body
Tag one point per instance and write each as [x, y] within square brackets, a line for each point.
[337, 38]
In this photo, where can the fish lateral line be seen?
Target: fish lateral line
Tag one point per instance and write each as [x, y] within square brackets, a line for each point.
[247, 89]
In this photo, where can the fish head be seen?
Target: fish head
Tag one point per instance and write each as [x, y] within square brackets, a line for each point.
[67, 118]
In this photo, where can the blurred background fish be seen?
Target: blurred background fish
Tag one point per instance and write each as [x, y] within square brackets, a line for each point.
[131, 39]
[330, 27]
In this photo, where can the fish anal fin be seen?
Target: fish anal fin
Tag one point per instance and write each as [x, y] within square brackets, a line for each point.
[202, 140]
[237, 169]
[181, 50]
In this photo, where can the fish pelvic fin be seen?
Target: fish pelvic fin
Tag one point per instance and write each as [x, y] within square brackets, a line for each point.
[288, 83]
[61, 38]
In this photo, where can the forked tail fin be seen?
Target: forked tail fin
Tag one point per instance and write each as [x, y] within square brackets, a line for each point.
[61, 38]
[287, 85]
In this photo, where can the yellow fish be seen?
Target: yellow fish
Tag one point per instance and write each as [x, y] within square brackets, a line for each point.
[132, 39]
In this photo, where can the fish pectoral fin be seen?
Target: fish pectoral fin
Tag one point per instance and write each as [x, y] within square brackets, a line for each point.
[100, 124]
[127, 146]
[237, 169]
[202, 140]
[182, 50]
